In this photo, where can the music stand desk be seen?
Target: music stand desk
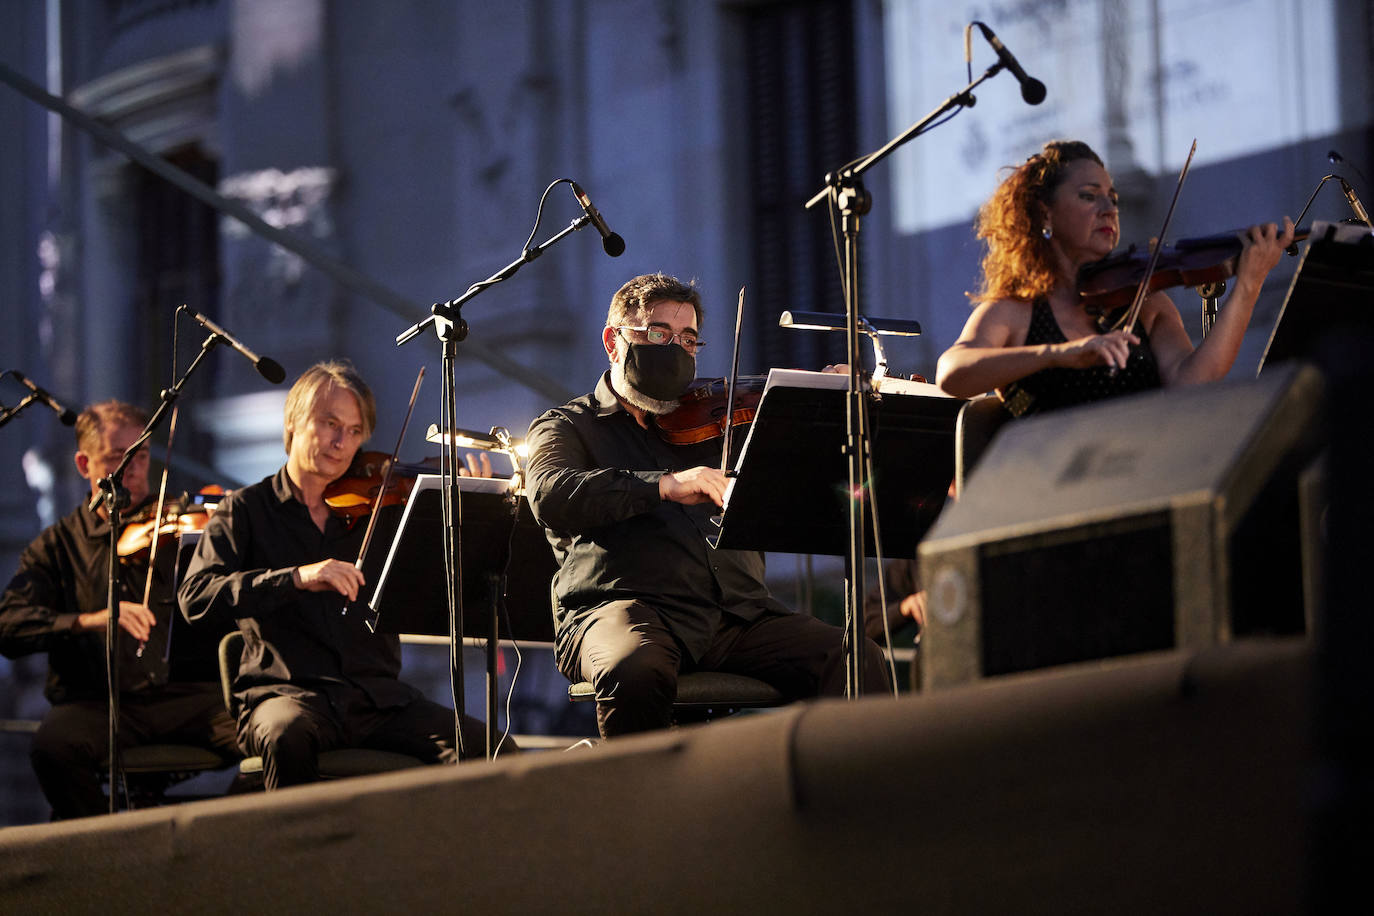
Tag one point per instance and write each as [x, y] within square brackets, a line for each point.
[791, 484]
[497, 532]
[409, 594]
[1332, 293]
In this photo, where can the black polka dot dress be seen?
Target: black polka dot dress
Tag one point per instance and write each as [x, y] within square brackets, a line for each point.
[1055, 389]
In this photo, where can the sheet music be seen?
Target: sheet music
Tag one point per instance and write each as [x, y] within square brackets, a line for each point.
[803, 378]
[1346, 233]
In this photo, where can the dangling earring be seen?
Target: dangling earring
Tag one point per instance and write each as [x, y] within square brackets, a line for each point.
[1046, 233]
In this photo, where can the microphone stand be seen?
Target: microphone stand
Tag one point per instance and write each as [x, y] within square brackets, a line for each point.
[845, 192]
[9, 413]
[115, 498]
[447, 320]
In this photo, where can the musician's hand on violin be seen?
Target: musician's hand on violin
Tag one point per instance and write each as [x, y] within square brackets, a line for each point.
[329, 576]
[1110, 349]
[693, 486]
[478, 465]
[1262, 247]
[135, 619]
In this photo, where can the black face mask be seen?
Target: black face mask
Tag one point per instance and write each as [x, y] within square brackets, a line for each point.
[661, 371]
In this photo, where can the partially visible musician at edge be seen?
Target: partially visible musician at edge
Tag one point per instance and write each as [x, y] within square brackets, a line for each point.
[57, 603]
[276, 559]
[640, 596]
[1029, 331]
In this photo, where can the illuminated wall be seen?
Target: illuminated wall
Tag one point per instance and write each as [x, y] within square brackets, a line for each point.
[1137, 81]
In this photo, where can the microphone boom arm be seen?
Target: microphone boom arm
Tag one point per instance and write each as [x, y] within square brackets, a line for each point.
[451, 310]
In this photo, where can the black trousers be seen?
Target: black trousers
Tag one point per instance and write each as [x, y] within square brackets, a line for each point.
[290, 732]
[633, 661]
[71, 747]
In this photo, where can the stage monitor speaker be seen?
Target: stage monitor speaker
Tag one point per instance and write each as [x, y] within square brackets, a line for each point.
[1163, 520]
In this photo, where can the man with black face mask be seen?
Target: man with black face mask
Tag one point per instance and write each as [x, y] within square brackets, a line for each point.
[639, 595]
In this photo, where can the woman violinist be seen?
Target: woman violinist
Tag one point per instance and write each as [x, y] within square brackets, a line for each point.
[1032, 337]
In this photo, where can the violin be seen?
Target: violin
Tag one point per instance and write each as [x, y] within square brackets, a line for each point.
[364, 487]
[700, 414]
[179, 516]
[1111, 283]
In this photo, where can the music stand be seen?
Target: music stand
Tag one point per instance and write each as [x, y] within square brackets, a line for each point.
[790, 490]
[499, 533]
[1332, 293]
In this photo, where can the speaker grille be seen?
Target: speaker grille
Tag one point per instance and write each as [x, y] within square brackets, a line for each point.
[1096, 591]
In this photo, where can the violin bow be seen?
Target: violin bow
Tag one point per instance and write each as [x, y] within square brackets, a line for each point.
[1127, 321]
[386, 477]
[730, 389]
[157, 522]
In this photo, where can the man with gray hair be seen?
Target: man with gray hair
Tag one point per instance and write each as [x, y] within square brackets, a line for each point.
[275, 558]
[640, 596]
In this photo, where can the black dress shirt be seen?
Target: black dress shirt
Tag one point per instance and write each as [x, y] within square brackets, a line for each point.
[64, 573]
[295, 641]
[593, 484]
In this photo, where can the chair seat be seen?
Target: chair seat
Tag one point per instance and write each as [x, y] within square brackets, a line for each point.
[148, 771]
[714, 688]
[707, 690]
[348, 761]
[160, 758]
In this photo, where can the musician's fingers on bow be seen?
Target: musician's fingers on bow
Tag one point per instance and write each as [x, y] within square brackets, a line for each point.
[1120, 344]
[914, 606]
[136, 620]
[330, 575]
[1110, 349]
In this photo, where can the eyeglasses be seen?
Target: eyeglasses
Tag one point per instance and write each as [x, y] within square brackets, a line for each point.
[658, 335]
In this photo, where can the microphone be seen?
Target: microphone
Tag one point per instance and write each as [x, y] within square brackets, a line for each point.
[1032, 90]
[1337, 159]
[269, 369]
[614, 244]
[64, 413]
[1354, 201]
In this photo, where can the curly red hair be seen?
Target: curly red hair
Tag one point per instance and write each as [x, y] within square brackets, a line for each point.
[1018, 263]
